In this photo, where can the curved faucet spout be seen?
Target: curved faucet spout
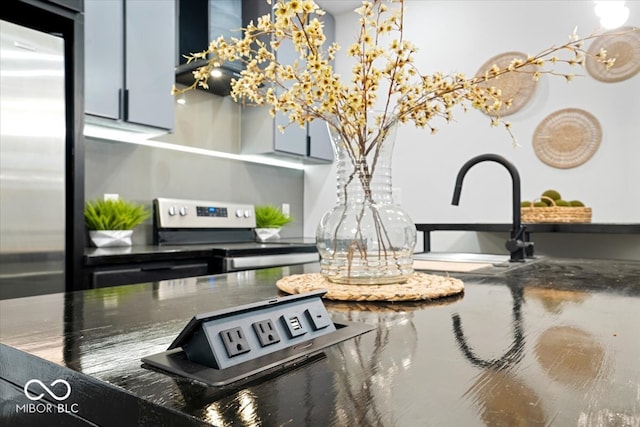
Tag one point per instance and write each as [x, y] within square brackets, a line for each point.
[515, 244]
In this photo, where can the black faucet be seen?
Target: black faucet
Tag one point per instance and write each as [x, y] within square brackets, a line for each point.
[518, 244]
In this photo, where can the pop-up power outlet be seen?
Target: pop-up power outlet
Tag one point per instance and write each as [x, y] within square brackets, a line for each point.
[228, 345]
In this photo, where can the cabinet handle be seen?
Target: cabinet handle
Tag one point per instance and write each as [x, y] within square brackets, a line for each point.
[308, 145]
[125, 103]
[157, 268]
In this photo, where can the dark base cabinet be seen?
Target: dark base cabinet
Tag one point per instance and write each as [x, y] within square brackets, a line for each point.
[127, 274]
[104, 267]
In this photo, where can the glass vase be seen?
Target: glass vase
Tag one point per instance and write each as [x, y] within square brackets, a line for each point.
[365, 239]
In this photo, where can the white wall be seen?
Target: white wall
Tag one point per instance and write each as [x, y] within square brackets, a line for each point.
[460, 36]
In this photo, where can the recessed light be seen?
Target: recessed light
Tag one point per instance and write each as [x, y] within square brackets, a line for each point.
[612, 14]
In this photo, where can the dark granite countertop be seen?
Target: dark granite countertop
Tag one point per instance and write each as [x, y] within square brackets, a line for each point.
[554, 342]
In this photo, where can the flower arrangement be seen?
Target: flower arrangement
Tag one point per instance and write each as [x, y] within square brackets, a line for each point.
[309, 89]
[384, 78]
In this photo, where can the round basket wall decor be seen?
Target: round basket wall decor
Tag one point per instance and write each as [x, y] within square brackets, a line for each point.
[623, 44]
[518, 87]
[567, 138]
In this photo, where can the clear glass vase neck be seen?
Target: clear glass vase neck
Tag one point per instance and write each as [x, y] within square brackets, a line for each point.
[364, 176]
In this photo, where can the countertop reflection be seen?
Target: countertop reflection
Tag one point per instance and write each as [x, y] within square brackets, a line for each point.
[553, 343]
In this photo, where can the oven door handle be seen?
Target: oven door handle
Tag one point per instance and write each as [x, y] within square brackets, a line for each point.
[261, 261]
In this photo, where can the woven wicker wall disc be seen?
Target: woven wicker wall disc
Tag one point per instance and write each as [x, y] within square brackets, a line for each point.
[622, 44]
[516, 86]
[567, 138]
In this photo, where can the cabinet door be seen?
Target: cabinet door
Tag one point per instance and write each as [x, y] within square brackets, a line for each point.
[150, 52]
[319, 141]
[294, 138]
[311, 142]
[104, 57]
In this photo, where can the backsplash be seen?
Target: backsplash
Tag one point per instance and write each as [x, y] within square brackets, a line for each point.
[142, 173]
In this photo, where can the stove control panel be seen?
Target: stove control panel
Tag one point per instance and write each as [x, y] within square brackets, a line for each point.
[181, 213]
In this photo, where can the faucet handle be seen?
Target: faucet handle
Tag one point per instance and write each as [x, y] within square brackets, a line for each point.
[517, 246]
[514, 245]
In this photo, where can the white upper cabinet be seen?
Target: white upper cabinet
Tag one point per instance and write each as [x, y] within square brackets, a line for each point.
[129, 60]
[260, 133]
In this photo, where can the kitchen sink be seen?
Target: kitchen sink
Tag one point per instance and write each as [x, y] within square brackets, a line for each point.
[459, 262]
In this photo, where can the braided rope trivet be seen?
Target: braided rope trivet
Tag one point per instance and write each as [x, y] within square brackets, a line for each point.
[420, 286]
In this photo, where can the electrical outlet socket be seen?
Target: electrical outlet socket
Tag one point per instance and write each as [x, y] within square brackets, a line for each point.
[286, 209]
[111, 196]
[266, 332]
[235, 341]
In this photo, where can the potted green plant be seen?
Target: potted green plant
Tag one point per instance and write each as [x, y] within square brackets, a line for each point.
[111, 222]
[269, 221]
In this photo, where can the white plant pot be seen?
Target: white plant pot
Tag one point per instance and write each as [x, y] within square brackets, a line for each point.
[110, 238]
[264, 234]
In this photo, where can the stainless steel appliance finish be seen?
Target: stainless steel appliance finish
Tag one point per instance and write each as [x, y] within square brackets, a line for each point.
[260, 261]
[32, 159]
[229, 230]
[179, 213]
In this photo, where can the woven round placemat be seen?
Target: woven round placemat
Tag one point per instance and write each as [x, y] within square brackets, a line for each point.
[517, 87]
[420, 286]
[567, 138]
[623, 44]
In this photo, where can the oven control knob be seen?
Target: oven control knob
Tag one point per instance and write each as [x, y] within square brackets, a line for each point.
[247, 214]
[172, 211]
[183, 211]
[239, 213]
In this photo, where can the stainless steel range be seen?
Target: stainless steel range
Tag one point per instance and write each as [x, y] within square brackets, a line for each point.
[228, 229]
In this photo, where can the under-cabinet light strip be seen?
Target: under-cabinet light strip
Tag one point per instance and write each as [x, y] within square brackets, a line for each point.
[140, 139]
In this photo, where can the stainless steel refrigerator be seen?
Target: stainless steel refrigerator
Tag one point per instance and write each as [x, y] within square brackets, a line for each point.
[32, 162]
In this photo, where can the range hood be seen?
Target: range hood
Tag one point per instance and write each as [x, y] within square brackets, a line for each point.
[217, 85]
[199, 22]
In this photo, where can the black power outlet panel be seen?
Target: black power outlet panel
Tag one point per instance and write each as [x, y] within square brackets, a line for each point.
[231, 337]
[246, 342]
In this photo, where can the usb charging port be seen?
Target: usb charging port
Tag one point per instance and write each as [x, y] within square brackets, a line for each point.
[295, 323]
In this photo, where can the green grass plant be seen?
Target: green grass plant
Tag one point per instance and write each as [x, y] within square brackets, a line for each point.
[269, 216]
[114, 214]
